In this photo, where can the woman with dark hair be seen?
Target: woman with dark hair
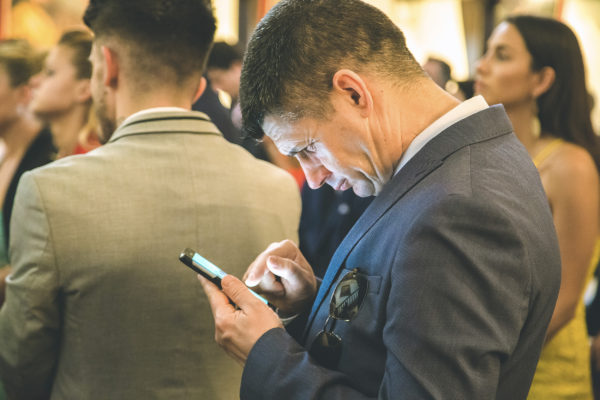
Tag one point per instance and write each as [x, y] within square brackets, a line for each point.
[534, 67]
[62, 95]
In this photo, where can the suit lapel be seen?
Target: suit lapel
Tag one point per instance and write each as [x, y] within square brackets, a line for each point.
[478, 127]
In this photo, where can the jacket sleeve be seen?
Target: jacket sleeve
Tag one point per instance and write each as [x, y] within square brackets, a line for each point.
[30, 317]
[454, 310]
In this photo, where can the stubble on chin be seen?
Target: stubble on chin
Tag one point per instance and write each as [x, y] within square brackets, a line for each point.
[107, 128]
[106, 124]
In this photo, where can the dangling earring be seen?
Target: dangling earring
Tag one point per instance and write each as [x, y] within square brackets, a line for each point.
[536, 126]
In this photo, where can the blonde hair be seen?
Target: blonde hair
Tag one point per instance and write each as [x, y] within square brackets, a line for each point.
[19, 60]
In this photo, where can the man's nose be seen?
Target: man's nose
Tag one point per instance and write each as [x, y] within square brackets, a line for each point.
[316, 176]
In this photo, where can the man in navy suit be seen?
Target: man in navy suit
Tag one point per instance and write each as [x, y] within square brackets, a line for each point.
[444, 287]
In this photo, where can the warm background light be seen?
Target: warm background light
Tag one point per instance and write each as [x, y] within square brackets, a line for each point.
[453, 30]
[227, 12]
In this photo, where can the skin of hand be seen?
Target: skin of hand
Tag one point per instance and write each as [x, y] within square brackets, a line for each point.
[284, 277]
[238, 328]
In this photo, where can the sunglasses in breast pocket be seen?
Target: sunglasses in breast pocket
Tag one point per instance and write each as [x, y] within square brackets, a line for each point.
[346, 300]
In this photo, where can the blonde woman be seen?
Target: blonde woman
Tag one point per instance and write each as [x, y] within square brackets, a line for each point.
[62, 95]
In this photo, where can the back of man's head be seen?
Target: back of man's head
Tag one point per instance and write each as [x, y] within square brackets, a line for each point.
[165, 40]
[297, 48]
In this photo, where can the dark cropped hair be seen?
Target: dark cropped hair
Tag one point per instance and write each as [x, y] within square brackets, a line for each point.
[19, 60]
[176, 34]
[564, 110]
[81, 43]
[223, 55]
[299, 45]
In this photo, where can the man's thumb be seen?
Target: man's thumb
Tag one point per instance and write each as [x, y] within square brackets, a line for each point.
[237, 291]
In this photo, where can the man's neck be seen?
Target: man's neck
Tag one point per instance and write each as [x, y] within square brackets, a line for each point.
[410, 111]
[125, 108]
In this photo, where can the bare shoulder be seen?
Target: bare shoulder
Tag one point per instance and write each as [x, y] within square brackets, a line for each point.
[569, 167]
[571, 159]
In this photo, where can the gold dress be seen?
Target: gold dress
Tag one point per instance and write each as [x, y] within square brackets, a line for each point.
[564, 371]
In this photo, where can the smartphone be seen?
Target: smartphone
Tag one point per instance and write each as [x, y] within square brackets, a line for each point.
[209, 270]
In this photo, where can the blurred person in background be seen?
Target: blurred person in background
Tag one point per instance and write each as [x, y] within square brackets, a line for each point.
[62, 95]
[464, 89]
[534, 67]
[438, 70]
[223, 69]
[210, 104]
[441, 73]
[25, 144]
[224, 64]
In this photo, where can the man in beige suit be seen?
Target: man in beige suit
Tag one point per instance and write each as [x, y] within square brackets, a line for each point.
[98, 305]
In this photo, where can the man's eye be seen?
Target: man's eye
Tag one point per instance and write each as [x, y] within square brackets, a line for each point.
[311, 148]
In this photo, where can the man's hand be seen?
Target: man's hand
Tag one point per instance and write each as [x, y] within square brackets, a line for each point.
[284, 277]
[237, 329]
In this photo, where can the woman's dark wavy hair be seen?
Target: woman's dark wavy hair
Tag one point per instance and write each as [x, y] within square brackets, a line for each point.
[564, 110]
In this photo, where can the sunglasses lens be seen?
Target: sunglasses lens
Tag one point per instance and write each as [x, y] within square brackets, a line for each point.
[345, 303]
[348, 296]
[327, 349]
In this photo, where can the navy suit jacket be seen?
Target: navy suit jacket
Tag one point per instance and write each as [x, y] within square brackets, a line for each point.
[463, 266]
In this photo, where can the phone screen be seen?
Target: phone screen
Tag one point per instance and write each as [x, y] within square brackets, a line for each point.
[209, 270]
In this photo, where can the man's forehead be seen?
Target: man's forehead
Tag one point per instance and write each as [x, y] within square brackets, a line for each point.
[288, 136]
[277, 128]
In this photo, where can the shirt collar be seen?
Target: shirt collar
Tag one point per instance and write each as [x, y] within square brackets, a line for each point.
[150, 111]
[461, 111]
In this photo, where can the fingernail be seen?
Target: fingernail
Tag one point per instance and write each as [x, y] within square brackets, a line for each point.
[272, 263]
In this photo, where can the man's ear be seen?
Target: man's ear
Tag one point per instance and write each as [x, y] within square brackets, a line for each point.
[353, 90]
[545, 80]
[111, 67]
[200, 90]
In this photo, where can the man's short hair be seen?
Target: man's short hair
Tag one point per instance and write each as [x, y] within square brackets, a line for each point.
[161, 36]
[223, 55]
[300, 44]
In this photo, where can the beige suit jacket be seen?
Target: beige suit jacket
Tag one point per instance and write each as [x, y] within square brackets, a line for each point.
[98, 305]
